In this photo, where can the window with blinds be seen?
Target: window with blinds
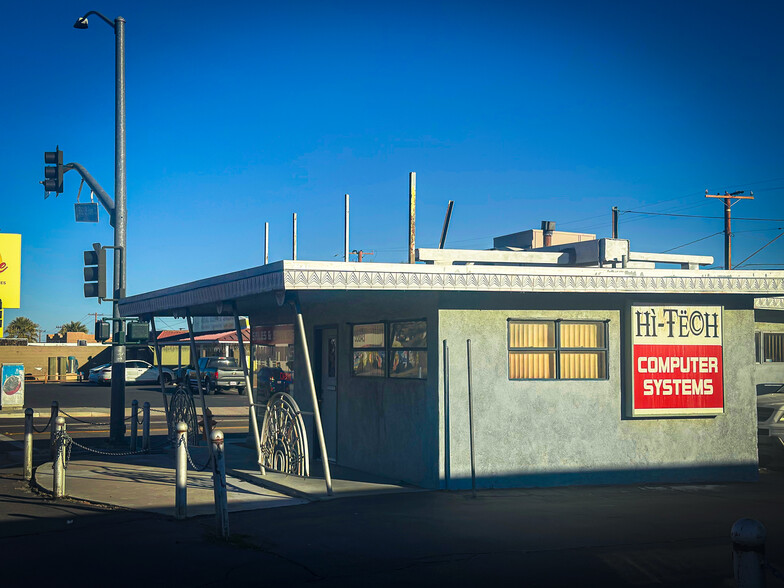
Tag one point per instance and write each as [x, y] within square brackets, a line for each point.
[555, 349]
[772, 347]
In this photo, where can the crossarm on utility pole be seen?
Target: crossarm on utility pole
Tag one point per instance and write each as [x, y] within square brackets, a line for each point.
[103, 197]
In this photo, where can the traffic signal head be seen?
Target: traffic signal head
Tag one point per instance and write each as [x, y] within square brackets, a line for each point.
[137, 332]
[54, 172]
[95, 272]
[103, 331]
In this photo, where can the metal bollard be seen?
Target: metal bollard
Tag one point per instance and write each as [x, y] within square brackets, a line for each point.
[58, 478]
[146, 426]
[134, 424]
[219, 484]
[748, 553]
[52, 419]
[28, 444]
[181, 490]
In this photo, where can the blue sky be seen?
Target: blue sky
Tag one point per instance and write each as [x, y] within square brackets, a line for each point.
[245, 112]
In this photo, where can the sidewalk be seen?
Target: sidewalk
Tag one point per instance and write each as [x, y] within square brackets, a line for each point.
[147, 482]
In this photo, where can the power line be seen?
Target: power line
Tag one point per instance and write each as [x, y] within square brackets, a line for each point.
[778, 220]
[761, 248]
[695, 241]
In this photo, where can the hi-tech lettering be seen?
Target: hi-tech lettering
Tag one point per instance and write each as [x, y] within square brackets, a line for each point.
[677, 323]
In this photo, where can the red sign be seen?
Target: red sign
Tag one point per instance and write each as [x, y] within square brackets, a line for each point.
[677, 361]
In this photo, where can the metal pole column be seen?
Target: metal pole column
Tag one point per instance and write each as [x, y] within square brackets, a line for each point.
[159, 360]
[248, 389]
[727, 234]
[181, 475]
[28, 444]
[411, 217]
[312, 386]
[471, 418]
[345, 235]
[117, 421]
[266, 243]
[195, 361]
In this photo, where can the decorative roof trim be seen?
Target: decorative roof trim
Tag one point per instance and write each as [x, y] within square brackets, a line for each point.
[322, 275]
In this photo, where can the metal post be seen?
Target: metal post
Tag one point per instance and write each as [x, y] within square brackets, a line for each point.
[28, 444]
[447, 453]
[727, 234]
[159, 361]
[134, 423]
[471, 419]
[312, 386]
[219, 485]
[254, 425]
[200, 384]
[294, 237]
[117, 417]
[266, 243]
[58, 478]
[146, 426]
[52, 433]
[614, 222]
[411, 216]
[748, 553]
[345, 234]
[447, 218]
[181, 472]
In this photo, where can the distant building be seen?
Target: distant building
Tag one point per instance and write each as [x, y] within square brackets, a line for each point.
[70, 337]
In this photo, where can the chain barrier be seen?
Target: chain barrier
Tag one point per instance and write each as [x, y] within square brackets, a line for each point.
[112, 453]
[777, 573]
[49, 422]
[190, 459]
[64, 444]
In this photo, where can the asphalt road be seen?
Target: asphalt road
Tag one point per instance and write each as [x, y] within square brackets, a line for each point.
[80, 394]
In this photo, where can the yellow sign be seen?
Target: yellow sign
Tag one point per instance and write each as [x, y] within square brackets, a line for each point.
[10, 269]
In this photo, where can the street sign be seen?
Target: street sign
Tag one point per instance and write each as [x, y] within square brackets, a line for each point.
[86, 212]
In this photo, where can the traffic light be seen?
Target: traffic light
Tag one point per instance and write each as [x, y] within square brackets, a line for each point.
[53, 173]
[137, 332]
[103, 331]
[95, 272]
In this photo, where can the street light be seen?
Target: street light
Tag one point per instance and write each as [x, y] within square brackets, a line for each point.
[117, 420]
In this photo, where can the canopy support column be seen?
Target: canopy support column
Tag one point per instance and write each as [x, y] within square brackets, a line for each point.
[159, 361]
[312, 386]
[248, 389]
[195, 361]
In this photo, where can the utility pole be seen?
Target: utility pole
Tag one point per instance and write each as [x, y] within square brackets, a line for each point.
[360, 254]
[728, 198]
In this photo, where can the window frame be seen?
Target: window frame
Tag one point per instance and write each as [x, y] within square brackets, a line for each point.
[387, 348]
[391, 349]
[762, 356]
[557, 350]
[383, 348]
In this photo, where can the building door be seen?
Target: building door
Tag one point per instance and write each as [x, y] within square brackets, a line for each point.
[329, 390]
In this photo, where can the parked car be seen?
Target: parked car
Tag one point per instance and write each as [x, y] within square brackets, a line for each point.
[217, 373]
[136, 372]
[93, 375]
[273, 380]
[770, 427]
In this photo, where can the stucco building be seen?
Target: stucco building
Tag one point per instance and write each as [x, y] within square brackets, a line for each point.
[590, 363]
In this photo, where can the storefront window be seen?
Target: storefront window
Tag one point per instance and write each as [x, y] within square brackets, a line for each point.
[369, 353]
[554, 349]
[408, 357]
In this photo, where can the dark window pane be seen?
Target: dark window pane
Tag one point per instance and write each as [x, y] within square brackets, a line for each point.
[408, 364]
[409, 334]
[369, 363]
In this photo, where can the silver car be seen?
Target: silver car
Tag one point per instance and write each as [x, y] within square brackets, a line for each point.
[136, 372]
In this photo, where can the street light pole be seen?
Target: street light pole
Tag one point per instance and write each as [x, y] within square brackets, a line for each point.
[117, 417]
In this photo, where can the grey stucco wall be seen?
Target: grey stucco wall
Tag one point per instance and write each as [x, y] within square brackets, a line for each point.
[386, 426]
[543, 433]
